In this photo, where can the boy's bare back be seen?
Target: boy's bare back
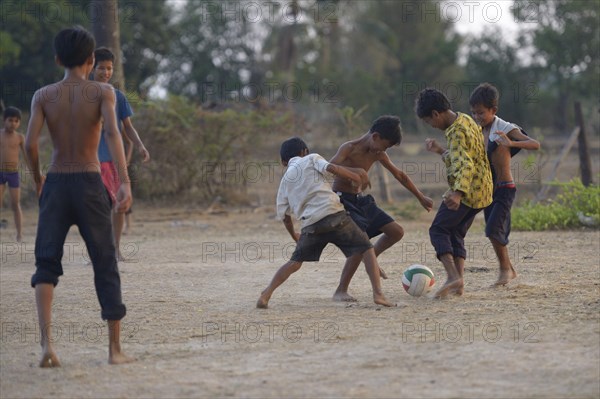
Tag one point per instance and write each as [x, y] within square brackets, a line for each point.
[73, 110]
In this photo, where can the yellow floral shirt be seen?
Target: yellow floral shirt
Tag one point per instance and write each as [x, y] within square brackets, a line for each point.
[467, 166]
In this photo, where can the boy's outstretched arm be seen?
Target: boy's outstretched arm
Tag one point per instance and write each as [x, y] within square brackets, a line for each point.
[356, 175]
[133, 135]
[515, 138]
[403, 178]
[115, 147]
[34, 128]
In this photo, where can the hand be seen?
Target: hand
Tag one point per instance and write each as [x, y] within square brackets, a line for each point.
[124, 198]
[364, 179]
[144, 153]
[503, 139]
[433, 146]
[40, 185]
[426, 203]
[296, 236]
[452, 199]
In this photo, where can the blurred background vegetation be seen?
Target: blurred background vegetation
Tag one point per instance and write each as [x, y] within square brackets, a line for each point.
[222, 82]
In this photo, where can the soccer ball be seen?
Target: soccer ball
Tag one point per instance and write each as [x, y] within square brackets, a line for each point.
[417, 280]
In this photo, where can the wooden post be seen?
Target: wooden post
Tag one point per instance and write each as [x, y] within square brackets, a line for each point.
[585, 162]
[563, 153]
[384, 184]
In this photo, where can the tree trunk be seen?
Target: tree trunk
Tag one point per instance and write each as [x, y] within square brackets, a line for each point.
[105, 26]
[584, 154]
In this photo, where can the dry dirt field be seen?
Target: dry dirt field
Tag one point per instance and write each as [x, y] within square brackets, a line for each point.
[192, 280]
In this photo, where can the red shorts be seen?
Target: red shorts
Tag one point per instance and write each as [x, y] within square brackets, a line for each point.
[110, 178]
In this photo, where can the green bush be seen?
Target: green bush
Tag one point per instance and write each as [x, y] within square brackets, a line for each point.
[200, 154]
[563, 212]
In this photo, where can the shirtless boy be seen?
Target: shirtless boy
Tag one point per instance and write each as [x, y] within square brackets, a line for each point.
[72, 192]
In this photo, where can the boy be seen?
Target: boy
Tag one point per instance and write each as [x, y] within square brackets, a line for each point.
[72, 192]
[103, 70]
[11, 142]
[469, 178]
[363, 152]
[503, 140]
[304, 192]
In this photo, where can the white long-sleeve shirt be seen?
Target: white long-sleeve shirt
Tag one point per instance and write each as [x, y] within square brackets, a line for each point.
[305, 192]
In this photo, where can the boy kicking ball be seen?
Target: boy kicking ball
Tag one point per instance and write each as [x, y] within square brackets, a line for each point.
[305, 192]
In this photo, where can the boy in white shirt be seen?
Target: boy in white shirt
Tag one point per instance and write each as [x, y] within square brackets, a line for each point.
[503, 140]
[305, 193]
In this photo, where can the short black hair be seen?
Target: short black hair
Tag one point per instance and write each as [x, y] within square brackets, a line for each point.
[388, 127]
[12, 112]
[103, 54]
[486, 95]
[430, 100]
[73, 46]
[292, 148]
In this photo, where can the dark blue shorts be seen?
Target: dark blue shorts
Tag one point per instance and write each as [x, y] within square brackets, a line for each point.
[365, 213]
[78, 199]
[449, 228]
[12, 178]
[497, 215]
[338, 229]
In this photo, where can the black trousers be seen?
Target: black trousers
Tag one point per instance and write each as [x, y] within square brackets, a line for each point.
[78, 199]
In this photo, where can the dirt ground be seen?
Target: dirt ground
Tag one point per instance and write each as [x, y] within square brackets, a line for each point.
[192, 280]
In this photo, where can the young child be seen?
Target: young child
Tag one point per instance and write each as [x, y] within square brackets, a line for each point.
[11, 142]
[469, 178]
[306, 193]
[503, 141]
[363, 152]
[73, 192]
[103, 71]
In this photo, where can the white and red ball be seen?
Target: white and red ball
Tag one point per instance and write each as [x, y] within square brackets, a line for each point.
[417, 280]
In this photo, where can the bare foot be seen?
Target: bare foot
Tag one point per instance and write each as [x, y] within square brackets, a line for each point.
[343, 297]
[49, 359]
[454, 286]
[505, 276]
[263, 301]
[379, 299]
[19, 238]
[119, 358]
[382, 274]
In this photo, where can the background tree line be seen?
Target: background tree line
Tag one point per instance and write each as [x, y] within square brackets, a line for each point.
[331, 53]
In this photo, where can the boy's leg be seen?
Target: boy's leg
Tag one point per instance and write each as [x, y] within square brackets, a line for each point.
[44, 293]
[454, 281]
[95, 227]
[373, 271]
[279, 278]
[115, 355]
[497, 229]
[507, 271]
[118, 220]
[15, 201]
[392, 233]
[2, 217]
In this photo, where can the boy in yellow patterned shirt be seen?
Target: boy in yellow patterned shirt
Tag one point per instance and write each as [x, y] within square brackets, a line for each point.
[469, 178]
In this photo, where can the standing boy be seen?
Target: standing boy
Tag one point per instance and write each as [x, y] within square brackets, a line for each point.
[305, 192]
[363, 152]
[469, 178]
[72, 192]
[503, 141]
[103, 71]
[11, 142]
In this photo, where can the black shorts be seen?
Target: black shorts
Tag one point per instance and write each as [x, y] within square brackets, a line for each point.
[338, 229]
[497, 215]
[365, 213]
